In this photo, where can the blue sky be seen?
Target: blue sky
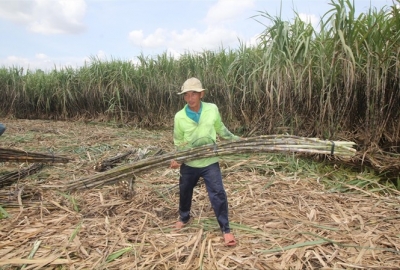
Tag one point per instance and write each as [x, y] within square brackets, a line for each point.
[48, 34]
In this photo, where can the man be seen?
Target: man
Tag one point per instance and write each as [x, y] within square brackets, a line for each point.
[197, 124]
[2, 129]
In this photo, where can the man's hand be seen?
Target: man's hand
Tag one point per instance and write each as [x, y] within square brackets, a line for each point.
[174, 164]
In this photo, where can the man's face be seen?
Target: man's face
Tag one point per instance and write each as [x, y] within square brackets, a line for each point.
[193, 99]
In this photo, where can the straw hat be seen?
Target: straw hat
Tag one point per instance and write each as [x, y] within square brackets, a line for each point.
[192, 84]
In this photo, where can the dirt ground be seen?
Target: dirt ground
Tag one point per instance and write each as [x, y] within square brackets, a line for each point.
[280, 220]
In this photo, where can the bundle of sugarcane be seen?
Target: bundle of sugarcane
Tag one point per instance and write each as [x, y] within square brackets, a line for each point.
[260, 144]
[12, 177]
[30, 157]
[109, 163]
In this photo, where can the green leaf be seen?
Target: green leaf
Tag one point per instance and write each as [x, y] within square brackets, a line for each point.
[118, 254]
[75, 232]
[298, 245]
[3, 213]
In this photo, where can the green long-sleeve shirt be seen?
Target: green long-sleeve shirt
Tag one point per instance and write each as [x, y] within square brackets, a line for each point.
[189, 134]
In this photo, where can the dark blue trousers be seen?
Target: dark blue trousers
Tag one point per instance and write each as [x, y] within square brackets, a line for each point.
[2, 129]
[189, 176]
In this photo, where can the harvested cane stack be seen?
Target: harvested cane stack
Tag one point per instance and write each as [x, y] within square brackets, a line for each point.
[12, 177]
[29, 157]
[111, 162]
[260, 144]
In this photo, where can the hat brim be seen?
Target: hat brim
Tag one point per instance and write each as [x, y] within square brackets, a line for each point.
[188, 90]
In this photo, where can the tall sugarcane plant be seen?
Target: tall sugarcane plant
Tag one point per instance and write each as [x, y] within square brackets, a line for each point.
[339, 78]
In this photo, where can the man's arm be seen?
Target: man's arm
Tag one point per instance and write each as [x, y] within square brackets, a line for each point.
[178, 141]
[222, 130]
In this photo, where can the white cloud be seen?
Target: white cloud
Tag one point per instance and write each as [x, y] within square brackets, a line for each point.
[226, 10]
[16, 11]
[215, 35]
[211, 38]
[43, 62]
[136, 37]
[188, 39]
[42, 56]
[12, 60]
[46, 16]
[158, 39]
[174, 53]
[253, 41]
[310, 18]
[101, 55]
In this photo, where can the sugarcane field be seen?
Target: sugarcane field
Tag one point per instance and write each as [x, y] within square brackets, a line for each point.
[138, 163]
[283, 218]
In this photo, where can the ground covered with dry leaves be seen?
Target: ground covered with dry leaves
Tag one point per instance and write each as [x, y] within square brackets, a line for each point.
[281, 220]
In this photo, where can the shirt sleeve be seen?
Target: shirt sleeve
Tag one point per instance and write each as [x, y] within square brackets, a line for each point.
[222, 130]
[178, 136]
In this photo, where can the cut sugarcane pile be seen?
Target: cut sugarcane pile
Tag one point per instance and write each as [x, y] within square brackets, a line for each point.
[12, 177]
[111, 162]
[259, 144]
[30, 157]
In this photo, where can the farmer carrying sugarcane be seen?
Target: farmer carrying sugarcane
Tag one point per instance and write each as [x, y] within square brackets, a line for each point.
[197, 124]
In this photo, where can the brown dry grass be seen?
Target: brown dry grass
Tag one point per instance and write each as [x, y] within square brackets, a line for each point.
[281, 221]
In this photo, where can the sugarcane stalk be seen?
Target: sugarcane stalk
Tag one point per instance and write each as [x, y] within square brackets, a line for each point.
[260, 144]
[11, 177]
[30, 157]
[111, 162]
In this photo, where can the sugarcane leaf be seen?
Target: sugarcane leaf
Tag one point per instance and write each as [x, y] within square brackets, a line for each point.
[298, 245]
[3, 213]
[118, 254]
[75, 232]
